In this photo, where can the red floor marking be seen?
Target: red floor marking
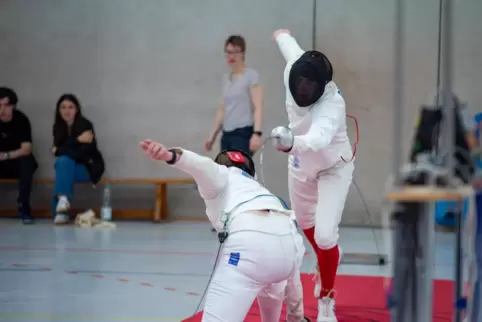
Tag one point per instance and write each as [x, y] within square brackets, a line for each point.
[19, 265]
[123, 280]
[360, 298]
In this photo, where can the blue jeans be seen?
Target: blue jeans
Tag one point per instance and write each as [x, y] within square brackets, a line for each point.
[67, 173]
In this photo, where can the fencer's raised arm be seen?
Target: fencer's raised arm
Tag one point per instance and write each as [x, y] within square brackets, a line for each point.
[328, 115]
[210, 177]
[288, 45]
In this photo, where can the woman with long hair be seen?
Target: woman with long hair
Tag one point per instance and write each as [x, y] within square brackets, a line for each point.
[78, 158]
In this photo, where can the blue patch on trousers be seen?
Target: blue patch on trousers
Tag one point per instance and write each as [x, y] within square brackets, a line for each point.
[234, 259]
[296, 162]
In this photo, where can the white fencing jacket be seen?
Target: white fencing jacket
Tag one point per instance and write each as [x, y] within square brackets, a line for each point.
[320, 130]
[225, 189]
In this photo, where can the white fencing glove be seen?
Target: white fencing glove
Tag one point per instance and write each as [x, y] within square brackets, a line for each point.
[282, 138]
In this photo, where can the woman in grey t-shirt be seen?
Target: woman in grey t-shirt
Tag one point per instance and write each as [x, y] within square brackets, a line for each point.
[240, 115]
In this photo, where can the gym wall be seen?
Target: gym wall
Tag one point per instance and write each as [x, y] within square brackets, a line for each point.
[152, 69]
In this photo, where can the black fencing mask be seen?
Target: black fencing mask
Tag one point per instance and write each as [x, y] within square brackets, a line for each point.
[308, 77]
[238, 159]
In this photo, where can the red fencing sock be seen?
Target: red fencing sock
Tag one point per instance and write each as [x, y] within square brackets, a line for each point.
[328, 270]
[310, 235]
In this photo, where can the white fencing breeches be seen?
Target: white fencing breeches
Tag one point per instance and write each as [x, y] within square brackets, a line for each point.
[253, 264]
[319, 202]
[294, 298]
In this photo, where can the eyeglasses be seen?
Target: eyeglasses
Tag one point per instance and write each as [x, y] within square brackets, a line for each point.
[233, 52]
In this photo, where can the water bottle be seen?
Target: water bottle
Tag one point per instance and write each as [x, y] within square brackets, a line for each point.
[106, 210]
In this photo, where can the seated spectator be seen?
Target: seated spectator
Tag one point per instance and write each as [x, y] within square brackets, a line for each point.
[78, 158]
[16, 158]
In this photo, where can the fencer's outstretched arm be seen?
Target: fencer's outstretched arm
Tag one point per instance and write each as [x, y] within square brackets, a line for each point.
[327, 117]
[210, 177]
[288, 46]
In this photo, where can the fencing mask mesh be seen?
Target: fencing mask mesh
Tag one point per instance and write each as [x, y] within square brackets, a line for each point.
[238, 159]
[308, 77]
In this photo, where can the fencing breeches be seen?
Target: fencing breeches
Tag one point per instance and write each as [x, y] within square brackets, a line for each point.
[319, 202]
[253, 264]
[294, 298]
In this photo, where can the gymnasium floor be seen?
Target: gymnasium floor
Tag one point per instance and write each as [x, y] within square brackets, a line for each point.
[142, 271]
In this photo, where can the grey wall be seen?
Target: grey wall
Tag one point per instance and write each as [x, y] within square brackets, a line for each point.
[151, 69]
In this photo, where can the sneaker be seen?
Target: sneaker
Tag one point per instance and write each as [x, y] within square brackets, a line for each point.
[61, 219]
[316, 277]
[24, 213]
[63, 205]
[326, 310]
[27, 220]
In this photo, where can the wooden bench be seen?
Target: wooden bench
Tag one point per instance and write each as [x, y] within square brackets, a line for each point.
[429, 194]
[158, 213]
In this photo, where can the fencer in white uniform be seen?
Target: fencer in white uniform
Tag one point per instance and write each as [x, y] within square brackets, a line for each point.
[316, 141]
[262, 250]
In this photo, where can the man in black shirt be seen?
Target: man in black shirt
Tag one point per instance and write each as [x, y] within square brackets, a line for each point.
[16, 159]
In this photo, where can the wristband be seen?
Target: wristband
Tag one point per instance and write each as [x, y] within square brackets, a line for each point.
[175, 153]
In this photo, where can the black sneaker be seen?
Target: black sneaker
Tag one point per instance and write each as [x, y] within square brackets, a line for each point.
[27, 220]
[24, 212]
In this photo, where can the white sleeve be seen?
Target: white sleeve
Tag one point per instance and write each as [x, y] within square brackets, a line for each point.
[289, 47]
[327, 116]
[210, 177]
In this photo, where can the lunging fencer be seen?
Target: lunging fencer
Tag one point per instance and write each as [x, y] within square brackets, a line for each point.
[316, 141]
[262, 249]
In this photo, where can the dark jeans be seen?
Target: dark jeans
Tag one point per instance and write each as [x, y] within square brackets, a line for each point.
[23, 169]
[237, 139]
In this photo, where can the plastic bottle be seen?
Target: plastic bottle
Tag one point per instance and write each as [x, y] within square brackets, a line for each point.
[106, 210]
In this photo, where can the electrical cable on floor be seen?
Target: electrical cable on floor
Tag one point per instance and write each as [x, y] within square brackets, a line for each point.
[220, 248]
[381, 257]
